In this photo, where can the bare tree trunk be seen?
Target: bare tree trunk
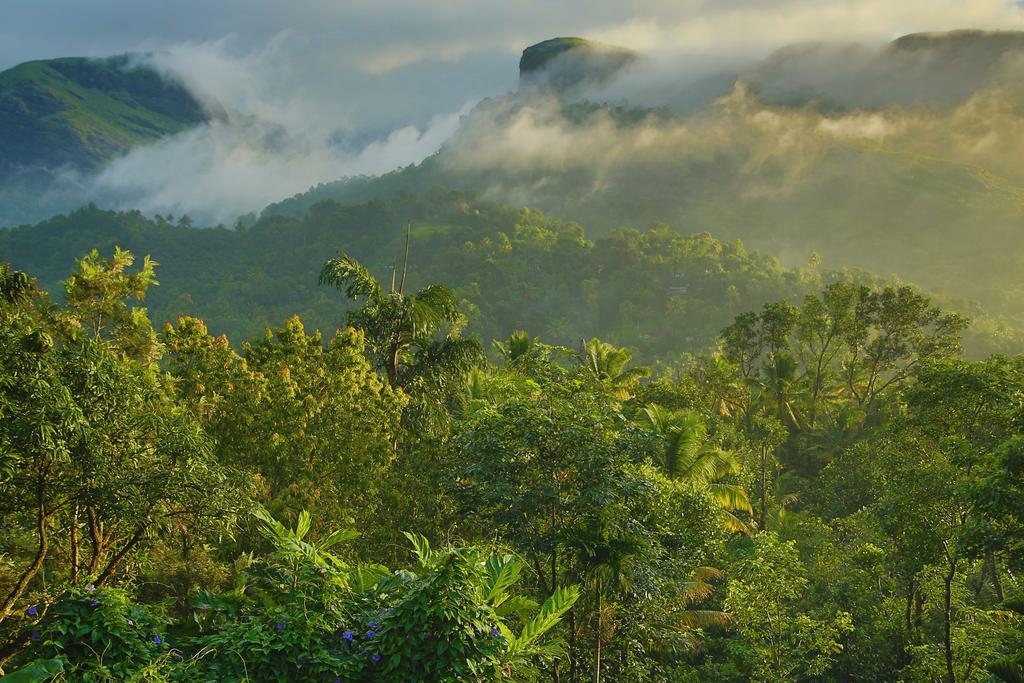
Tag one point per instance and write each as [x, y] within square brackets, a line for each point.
[405, 261]
[997, 583]
[597, 646]
[947, 608]
[393, 366]
[74, 545]
[115, 561]
[96, 536]
[37, 563]
[573, 651]
[764, 489]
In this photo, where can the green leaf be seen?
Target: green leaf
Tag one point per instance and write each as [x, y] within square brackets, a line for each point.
[560, 602]
[502, 573]
[36, 672]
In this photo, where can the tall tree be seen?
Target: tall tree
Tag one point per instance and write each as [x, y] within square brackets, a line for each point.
[415, 339]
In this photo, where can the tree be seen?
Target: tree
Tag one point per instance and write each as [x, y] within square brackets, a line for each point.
[610, 364]
[686, 454]
[559, 473]
[414, 339]
[95, 431]
[959, 413]
[315, 424]
[781, 641]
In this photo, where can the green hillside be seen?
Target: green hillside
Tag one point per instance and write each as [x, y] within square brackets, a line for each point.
[79, 113]
[658, 290]
[916, 206]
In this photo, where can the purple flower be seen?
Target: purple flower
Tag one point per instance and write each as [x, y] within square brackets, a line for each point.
[157, 639]
[375, 658]
[34, 635]
[347, 635]
[131, 623]
[280, 626]
[90, 587]
[337, 680]
[495, 631]
[32, 611]
[373, 624]
[371, 633]
[93, 603]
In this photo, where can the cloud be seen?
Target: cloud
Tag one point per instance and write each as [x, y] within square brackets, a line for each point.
[753, 27]
[271, 138]
[315, 90]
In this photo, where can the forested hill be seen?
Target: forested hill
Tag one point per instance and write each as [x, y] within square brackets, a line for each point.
[903, 160]
[656, 290]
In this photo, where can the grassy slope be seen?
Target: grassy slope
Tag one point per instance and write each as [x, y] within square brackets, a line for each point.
[81, 112]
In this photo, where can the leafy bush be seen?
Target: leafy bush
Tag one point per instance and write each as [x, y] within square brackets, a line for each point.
[302, 613]
[101, 635]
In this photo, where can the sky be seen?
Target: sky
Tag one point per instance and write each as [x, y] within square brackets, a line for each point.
[363, 86]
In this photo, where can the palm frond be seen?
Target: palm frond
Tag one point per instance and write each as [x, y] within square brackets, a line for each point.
[560, 602]
[731, 497]
[691, 619]
[711, 465]
[734, 524]
[348, 273]
[432, 307]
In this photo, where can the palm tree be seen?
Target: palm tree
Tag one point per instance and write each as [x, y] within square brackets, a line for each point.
[686, 455]
[605, 551]
[688, 621]
[610, 364]
[519, 344]
[413, 338]
[780, 385]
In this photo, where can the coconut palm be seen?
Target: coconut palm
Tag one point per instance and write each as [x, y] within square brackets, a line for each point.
[413, 338]
[686, 620]
[519, 344]
[687, 455]
[610, 364]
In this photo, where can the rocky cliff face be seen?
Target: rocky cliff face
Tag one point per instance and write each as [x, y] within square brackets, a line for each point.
[565, 63]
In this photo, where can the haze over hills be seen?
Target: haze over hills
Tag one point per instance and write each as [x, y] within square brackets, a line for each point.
[898, 160]
[65, 119]
[915, 187]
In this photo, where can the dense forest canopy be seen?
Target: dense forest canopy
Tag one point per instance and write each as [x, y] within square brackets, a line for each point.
[652, 288]
[829, 492]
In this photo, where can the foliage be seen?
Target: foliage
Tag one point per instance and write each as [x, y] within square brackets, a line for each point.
[780, 640]
[583, 512]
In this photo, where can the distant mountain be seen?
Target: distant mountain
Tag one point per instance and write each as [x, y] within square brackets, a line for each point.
[920, 68]
[900, 159]
[77, 113]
